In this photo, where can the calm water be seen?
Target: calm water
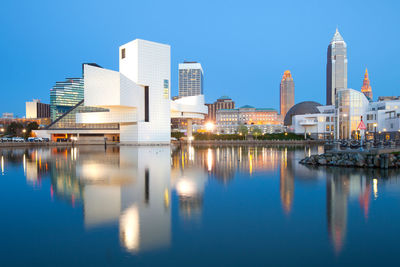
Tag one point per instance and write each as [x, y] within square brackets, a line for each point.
[193, 206]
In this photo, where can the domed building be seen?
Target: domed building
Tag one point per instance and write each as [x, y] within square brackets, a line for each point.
[306, 107]
[312, 119]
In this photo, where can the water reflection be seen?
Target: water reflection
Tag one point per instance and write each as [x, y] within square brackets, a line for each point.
[133, 187]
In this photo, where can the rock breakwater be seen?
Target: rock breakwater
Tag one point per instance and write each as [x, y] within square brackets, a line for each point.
[360, 160]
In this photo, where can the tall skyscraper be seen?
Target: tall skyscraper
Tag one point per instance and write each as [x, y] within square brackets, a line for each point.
[190, 79]
[336, 67]
[287, 93]
[65, 95]
[366, 87]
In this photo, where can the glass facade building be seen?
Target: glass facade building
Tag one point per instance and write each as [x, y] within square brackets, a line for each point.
[350, 105]
[190, 79]
[67, 121]
[65, 95]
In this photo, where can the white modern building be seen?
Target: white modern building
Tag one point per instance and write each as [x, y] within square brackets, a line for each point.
[380, 117]
[320, 124]
[133, 105]
[383, 116]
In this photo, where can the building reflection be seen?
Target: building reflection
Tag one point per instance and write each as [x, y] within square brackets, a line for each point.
[127, 185]
[189, 177]
[286, 182]
[342, 186]
[131, 187]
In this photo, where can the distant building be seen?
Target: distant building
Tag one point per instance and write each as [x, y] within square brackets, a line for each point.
[229, 120]
[351, 106]
[381, 118]
[37, 110]
[286, 93]
[190, 79]
[336, 68]
[64, 96]
[311, 119]
[388, 98]
[366, 87]
[384, 115]
[7, 116]
[224, 102]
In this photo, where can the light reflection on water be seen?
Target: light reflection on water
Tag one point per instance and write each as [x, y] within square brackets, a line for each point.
[134, 187]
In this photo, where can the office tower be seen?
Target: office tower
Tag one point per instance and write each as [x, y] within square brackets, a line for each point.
[224, 102]
[37, 110]
[286, 93]
[366, 87]
[65, 95]
[190, 79]
[336, 68]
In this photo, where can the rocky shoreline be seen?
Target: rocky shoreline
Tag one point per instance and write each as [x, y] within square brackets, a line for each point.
[359, 160]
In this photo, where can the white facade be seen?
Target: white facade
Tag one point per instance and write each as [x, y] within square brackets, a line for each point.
[380, 116]
[148, 64]
[136, 99]
[31, 109]
[317, 125]
[190, 107]
[384, 116]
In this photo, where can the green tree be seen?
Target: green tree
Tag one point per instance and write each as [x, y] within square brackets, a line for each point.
[31, 126]
[14, 128]
[242, 129]
[255, 131]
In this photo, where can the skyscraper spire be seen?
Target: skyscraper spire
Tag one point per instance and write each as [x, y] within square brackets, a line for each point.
[337, 37]
[366, 87]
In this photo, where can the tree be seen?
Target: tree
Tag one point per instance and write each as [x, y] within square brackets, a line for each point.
[14, 128]
[256, 131]
[242, 129]
[31, 126]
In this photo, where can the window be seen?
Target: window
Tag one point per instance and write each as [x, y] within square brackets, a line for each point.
[146, 104]
[122, 53]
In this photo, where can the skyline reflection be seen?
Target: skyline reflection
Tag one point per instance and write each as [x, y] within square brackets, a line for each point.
[134, 187]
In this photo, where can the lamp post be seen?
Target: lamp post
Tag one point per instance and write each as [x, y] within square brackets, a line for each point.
[375, 124]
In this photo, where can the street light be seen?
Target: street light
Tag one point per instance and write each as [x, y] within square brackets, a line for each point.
[375, 125]
[209, 126]
[24, 130]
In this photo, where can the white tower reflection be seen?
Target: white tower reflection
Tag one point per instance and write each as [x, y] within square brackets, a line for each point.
[131, 187]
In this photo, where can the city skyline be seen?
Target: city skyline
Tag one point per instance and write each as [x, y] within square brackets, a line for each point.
[226, 60]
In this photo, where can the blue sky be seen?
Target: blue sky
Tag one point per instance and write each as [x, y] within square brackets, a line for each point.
[244, 46]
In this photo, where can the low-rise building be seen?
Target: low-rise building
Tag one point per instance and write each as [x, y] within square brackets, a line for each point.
[224, 102]
[266, 119]
[383, 116]
[342, 121]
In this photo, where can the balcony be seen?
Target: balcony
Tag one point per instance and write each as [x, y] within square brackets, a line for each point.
[310, 122]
